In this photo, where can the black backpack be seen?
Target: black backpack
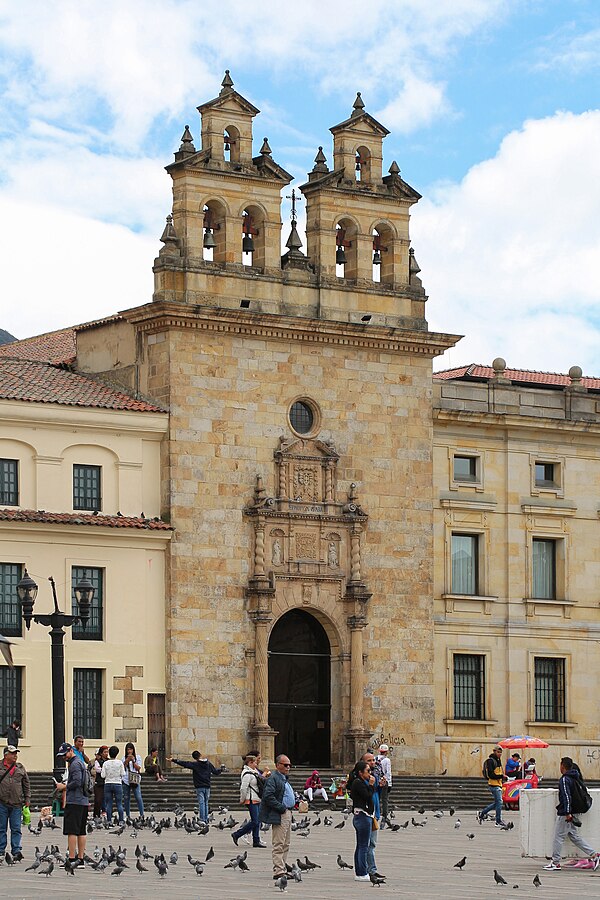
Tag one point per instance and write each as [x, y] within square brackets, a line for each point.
[581, 800]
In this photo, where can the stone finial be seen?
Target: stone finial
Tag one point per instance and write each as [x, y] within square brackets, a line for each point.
[293, 243]
[187, 141]
[169, 235]
[227, 83]
[394, 169]
[259, 491]
[265, 149]
[499, 366]
[357, 106]
[413, 265]
[575, 373]
[320, 162]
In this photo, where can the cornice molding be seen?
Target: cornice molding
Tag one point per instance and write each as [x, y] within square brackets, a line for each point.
[163, 315]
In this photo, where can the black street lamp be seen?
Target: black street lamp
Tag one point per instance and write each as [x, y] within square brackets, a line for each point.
[57, 621]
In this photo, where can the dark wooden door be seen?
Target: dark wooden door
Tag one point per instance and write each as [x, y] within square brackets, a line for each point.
[156, 725]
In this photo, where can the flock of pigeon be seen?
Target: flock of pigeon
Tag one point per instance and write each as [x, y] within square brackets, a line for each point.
[115, 861]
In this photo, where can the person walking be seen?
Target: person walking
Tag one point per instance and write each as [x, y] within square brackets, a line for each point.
[565, 827]
[15, 795]
[113, 773]
[369, 758]
[76, 805]
[202, 772]
[276, 808]
[101, 757]
[132, 780]
[384, 778]
[492, 770]
[361, 793]
[250, 797]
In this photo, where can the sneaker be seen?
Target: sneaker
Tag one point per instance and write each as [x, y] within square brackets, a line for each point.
[595, 858]
[479, 817]
[235, 839]
[361, 878]
[499, 824]
[246, 838]
[553, 867]
[260, 844]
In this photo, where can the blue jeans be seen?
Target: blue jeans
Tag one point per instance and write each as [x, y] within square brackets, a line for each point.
[252, 824]
[496, 803]
[114, 792]
[12, 815]
[362, 826]
[136, 790]
[371, 864]
[203, 793]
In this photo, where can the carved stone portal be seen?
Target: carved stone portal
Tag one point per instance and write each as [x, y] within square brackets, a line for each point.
[307, 548]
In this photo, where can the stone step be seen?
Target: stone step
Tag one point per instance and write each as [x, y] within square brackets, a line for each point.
[408, 792]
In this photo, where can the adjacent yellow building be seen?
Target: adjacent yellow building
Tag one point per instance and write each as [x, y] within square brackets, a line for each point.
[303, 539]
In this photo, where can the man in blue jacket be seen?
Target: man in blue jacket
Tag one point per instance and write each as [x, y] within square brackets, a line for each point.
[276, 810]
[565, 827]
[202, 772]
[76, 807]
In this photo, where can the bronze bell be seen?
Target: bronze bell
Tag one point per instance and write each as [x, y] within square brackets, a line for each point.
[247, 244]
[209, 242]
[340, 256]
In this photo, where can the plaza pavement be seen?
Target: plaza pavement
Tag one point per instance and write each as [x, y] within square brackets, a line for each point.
[417, 861]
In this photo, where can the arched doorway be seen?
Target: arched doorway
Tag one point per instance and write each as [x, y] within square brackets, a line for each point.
[300, 688]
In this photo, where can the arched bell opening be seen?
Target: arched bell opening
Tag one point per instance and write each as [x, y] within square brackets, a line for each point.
[214, 236]
[253, 237]
[346, 249]
[300, 688]
[383, 255]
[231, 144]
[362, 165]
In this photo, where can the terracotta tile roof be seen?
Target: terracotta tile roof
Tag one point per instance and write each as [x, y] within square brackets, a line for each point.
[519, 376]
[81, 518]
[53, 347]
[39, 382]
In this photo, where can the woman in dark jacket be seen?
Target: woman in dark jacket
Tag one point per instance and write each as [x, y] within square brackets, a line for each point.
[361, 794]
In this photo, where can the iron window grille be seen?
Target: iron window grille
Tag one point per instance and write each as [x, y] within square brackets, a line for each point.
[9, 482]
[87, 702]
[469, 686]
[11, 694]
[550, 689]
[301, 417]
[94, 628]
[10, 613]
[87, 493]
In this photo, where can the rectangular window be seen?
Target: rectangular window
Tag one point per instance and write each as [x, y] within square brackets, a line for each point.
[469, 686]
[10, 608]
[87, 492]
[544, 569]
[549, 689]
[465, 564]
[87, 702]
[9, 482]
[465, 468]
[94, 628]
[11, 699]
[545, 475]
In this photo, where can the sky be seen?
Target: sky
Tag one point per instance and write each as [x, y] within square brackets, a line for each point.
[493, 108]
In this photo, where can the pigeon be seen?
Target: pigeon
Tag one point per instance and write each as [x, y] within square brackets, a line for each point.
[537, 881]
[471, 836]
[210, 855]
[457, 823]
[310, 864]
[451, 810]
[341, 824]
[34, 865]
[405, 825]
[162, 868]
[445, 772]
[476, 750]
[376, 880]
[498, 878]
[342, 864]
[8, 859]
[461, 863]
[47, 871]
[69, 867]
[173, 859]
[281, 882]
[117, 871]
[417, 824]
[140, 867]
[199, 869]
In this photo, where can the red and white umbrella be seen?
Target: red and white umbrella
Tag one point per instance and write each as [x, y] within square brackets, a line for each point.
[519, 741]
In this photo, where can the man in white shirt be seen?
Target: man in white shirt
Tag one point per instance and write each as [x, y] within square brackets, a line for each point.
[385, 781]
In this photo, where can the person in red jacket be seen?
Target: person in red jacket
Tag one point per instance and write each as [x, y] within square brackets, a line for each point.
[313, 786]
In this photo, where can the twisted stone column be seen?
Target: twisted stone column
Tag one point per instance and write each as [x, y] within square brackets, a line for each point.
[259, 551]
[355, 554]
[356, 673]
[261, 670]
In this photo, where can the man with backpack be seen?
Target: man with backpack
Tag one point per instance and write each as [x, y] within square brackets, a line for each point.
[573, 800]
[77, 804]
[492, 771]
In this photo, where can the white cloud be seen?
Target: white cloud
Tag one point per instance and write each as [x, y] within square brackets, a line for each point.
[61, 269]
[511, 255]
[570, 52]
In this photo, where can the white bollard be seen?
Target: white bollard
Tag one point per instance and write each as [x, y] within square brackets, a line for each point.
[537, 818]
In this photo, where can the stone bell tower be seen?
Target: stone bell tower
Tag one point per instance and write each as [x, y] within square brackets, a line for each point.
[298, 470]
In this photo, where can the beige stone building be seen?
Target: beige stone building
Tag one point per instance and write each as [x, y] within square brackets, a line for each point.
[360, 551]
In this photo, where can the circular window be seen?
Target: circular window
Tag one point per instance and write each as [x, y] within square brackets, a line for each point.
[304, 417]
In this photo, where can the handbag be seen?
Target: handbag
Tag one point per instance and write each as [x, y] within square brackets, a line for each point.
[375, 825]
[134, 779]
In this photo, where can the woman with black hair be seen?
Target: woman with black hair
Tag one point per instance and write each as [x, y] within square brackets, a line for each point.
[132, 782]
[361, 794]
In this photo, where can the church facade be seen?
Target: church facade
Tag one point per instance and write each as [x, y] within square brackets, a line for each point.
[360, 551]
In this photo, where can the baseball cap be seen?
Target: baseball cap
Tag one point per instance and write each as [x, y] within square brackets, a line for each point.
[64, 749]
[498, 748]
[383, 748]
[11, 749]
